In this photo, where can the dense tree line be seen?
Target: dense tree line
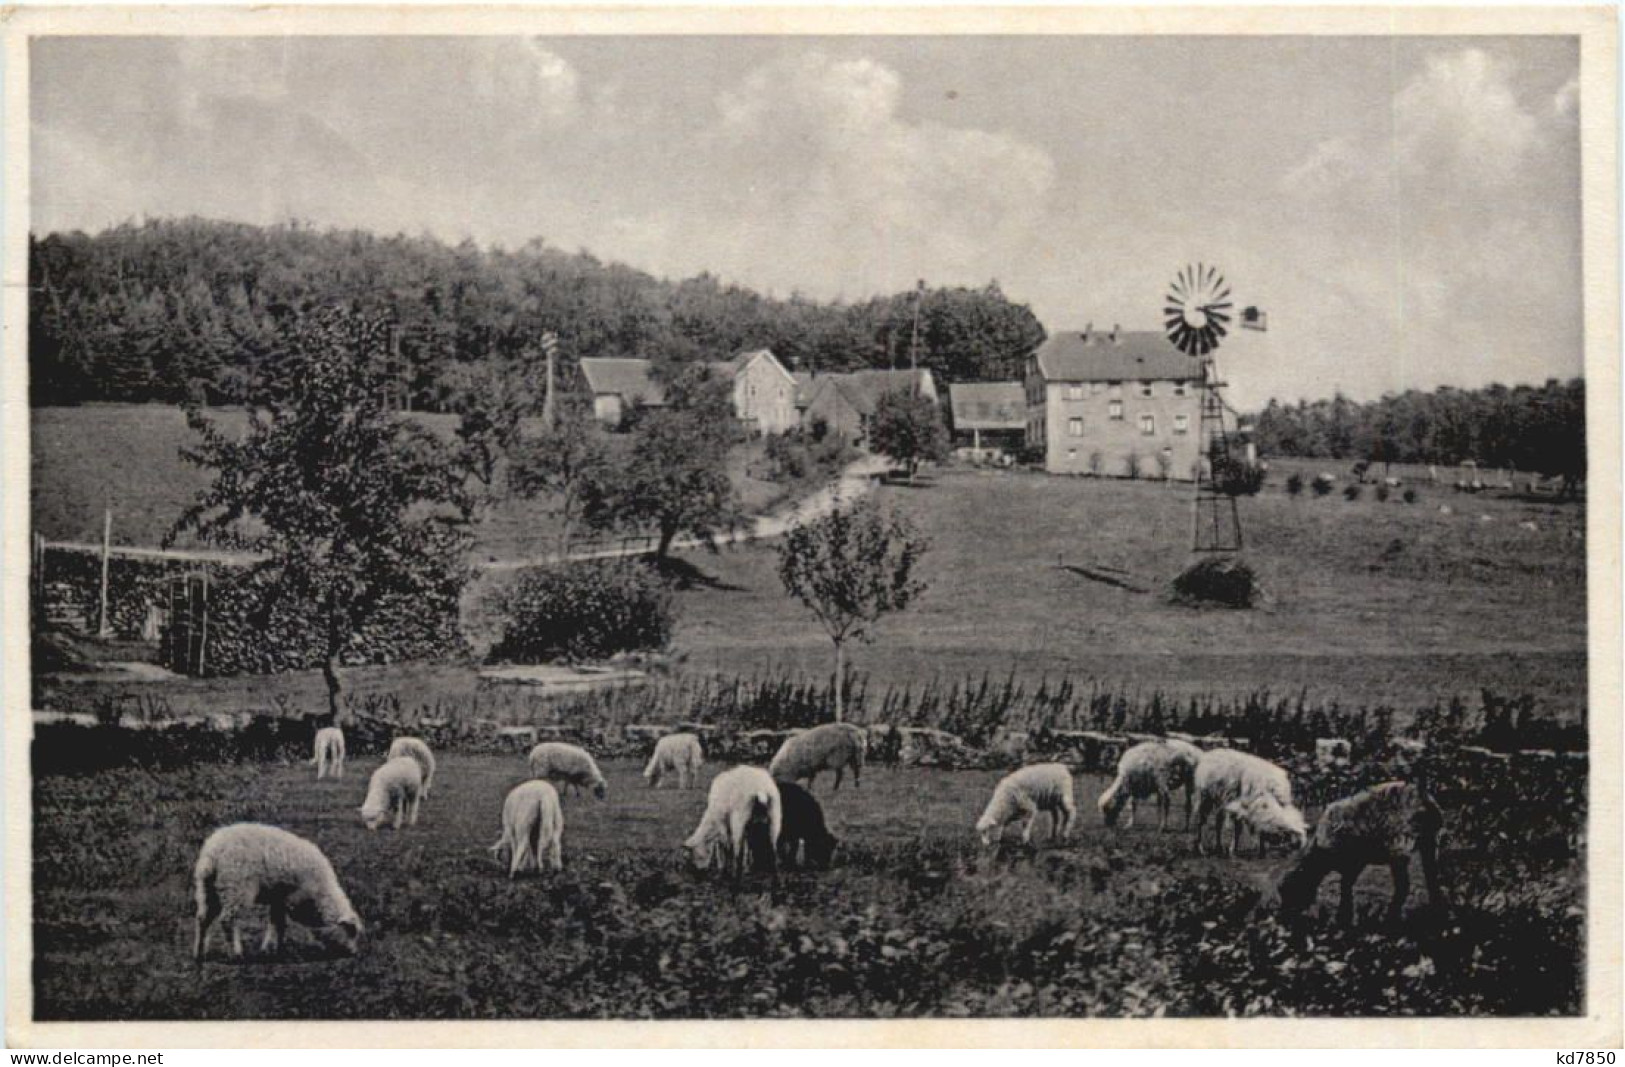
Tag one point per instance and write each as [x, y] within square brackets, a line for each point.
[1526, 427]
[189, 309]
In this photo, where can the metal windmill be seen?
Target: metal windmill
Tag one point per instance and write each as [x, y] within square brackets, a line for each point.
[1196, 314]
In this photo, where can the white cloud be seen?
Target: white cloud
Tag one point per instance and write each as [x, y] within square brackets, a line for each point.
[1461, 115]
[825, 183]
[1566, 101]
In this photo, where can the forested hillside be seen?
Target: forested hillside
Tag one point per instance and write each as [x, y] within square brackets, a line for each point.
[186, 309]
[1532, 428]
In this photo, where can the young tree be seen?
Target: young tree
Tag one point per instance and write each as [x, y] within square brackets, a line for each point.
[907, 427]
[353, 507]
[851, 567]
[562, 462]
[675, 477]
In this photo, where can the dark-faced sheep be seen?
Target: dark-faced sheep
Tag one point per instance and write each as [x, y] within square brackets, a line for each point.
[1383, 824]
[804, 837]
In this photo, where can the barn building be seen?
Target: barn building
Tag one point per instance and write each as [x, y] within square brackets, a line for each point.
[619, 385]
[764, 392]
[1116, 403]
[844, 403]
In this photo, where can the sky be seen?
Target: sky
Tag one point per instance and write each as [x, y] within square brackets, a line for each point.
[1405, 210]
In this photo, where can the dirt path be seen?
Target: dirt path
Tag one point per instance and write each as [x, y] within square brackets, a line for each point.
[853, 482]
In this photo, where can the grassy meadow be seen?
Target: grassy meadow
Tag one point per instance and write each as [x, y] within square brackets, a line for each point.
[914, 918]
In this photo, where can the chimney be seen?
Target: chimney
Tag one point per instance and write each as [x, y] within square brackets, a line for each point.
[1115, 328]
[1088, 328]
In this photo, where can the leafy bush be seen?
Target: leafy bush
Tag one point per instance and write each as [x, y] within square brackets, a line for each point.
[1322, 485]
[1227, 582]
[1097, 462]
[1294, 484]
[1131, 464]
[1409, 496]
[1351, 492]
[1382, 493]
[1237, 477]
[584, 611]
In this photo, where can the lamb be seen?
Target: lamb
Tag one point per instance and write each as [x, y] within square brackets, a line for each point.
[834, 746]
[532, 826]
[1152, 768]
[415, 749]
[1383, 824]
[567, 765]
[803, 835]
[1029, 791]
[329, 756]
[396, 787]
[1224, 777]
[738, 797]
[679, 753]
[247, 864]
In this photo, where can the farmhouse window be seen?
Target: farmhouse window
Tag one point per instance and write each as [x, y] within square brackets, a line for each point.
[1148, 425]
[1147, 389]
[1074, 427]
[1182, 424]
[1074, 392]
[1114, 409]
[1114, 388]
[1179, 388]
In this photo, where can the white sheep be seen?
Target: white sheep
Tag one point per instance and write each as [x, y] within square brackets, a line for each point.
[567, 765]
[1029, 791]
[414, 748]
[532, 827]
[396, 789]
[245, 865]
[834, 746]
[329, 755]
[739, 798]
[1383, 824]
[680, 754]
[1152, 768]
[1225, 776]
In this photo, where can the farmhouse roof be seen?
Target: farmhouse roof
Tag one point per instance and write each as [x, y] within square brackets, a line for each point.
[629, 379]
[730, 367]
[988, 405]
[1093, 356]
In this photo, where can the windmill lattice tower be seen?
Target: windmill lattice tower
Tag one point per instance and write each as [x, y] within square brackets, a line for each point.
[1195, 315]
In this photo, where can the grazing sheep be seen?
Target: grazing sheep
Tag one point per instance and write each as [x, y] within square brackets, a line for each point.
[532, 826]
[738, 797]
[834, 746]
[415, 749]
[1383, 824]
[1266, 816]
[803, 833]
[679, 753]
[1152, 768]
[248, 864]
[1224, 776]
[1029, 791]
[329, 756]
[567, 765]
[396, 788]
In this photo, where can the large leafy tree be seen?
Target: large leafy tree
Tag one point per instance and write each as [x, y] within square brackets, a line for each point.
[907, 427]
[353, 506]
[563, 464]
[849, 568]
[674, 479]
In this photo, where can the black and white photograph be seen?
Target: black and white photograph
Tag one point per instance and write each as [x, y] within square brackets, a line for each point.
[655, 519]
